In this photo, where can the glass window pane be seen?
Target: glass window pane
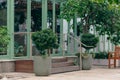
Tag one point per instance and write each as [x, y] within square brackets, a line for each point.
[3, 13]
[20, 45]
[20, 16]
[36, 20]
[20, 28]
[50, 14]
[3, 22]
[36, 15]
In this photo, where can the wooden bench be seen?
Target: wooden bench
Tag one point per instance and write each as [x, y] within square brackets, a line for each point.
[113, 57]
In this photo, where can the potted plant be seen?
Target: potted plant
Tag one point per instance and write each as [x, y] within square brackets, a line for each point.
[89, 41]
[44, 41]
[4, 40]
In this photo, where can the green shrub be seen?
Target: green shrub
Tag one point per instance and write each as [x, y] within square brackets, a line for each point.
[101, 55]
[89, 40]
[45, 39]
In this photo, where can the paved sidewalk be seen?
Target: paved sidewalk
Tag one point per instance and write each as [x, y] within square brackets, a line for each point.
[99, 73]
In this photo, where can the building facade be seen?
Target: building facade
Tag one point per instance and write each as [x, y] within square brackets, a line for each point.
[24, 17]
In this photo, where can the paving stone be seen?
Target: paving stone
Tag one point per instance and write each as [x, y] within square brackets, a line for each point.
[97, 73]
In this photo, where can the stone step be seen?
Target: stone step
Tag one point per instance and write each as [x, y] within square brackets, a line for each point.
[62, 64]
[59, 64]
[24, 66]
[64, 69]
[59, 59]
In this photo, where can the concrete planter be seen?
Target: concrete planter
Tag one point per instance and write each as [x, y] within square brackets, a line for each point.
[87, 62]
[103, 62]
[42, 65]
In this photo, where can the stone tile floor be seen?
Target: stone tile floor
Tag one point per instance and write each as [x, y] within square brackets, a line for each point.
[96, 73]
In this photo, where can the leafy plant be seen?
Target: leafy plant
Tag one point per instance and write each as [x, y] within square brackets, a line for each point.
[101, 55]
[44, 40]
[4, 39]
[18, 49]
[89, 40]
[69, 9]
[104, 15]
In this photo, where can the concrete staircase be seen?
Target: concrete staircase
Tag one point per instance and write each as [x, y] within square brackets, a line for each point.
[63, 64]
[59, 65]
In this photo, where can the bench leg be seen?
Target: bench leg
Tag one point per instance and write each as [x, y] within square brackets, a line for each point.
[114, 63]
[109, 63]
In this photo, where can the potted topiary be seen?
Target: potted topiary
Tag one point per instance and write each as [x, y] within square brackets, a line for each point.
[44, 40]
[89, 41]
[4, 40]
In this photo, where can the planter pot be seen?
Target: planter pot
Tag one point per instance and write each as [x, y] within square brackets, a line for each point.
[42, 65]
[87, 62]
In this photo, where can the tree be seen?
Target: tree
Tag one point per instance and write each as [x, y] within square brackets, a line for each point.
[69, 8]
[102, 14]
[44, 40]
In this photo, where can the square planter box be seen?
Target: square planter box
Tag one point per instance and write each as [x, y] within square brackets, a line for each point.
[42, 66]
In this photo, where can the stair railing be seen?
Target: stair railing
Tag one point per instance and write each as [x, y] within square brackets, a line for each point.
[79, 41]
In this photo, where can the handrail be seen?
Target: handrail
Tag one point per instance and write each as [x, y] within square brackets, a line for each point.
[75, 38]
[80, 54]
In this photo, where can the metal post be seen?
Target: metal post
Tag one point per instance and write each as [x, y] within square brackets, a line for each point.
[54, 11]
[104, 43]
[80, 59]
[61, 34]
[68, 39]
[75, 32]
[44, 14]
[10, 26]
[28, 27]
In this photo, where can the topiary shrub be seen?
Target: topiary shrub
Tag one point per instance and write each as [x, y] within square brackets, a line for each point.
[44, 40]
[89, 41]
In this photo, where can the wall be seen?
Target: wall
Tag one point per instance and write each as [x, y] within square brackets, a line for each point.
[7, 66]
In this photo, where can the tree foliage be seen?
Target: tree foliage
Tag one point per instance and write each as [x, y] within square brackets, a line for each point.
[69, 8]
[4, 39]
[102, 14]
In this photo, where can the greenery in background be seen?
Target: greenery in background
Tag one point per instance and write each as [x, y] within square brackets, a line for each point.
[69, 9]
[85, 55]
[110, 1]
[97, 55]
[18, 49]
[102, 14]
[44, 40]
[4, 39]
[101, 55]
